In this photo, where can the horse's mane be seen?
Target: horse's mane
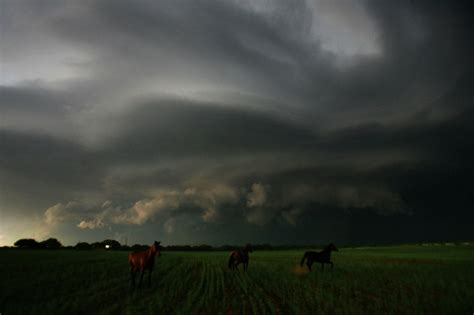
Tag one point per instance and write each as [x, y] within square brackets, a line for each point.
[330, 247]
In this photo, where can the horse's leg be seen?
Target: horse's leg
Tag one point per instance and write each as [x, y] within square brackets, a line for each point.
[142, 273]
[309, 263]
[149, 277]
[132, 274]
[332, 264]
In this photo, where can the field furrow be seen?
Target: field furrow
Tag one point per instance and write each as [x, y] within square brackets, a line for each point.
[390, 280]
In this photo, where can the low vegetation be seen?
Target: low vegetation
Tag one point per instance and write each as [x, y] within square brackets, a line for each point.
[374, 280]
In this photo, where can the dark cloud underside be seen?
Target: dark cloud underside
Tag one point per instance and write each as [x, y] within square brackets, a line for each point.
[236, 121]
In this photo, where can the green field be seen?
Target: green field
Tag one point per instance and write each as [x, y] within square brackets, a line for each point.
[392, 280]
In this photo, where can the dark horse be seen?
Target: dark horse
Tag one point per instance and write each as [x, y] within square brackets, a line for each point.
[323, 257]
[143, 260]
[240, 256]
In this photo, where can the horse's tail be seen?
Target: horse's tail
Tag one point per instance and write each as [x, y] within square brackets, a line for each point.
[302, 260]
[231, 260]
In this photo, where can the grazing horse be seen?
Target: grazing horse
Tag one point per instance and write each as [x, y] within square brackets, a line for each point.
[240, 256]
[143, 260]
[323, 257]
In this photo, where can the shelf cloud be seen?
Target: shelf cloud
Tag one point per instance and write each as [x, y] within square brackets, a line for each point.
[234, 121]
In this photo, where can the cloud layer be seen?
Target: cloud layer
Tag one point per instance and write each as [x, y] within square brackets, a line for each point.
[232, 121]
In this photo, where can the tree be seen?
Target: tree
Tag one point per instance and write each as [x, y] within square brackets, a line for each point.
[27, 243]
[83, 246]
[138, 247]
[202, 247]
[97, 245]
[125, 247]
[51, 243]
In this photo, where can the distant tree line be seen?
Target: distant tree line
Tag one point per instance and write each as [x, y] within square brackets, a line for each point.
[50, 243]
[109, 244]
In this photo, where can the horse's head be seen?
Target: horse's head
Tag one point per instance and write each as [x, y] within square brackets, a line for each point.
[157, 248]
[248, 247]
[332, 247]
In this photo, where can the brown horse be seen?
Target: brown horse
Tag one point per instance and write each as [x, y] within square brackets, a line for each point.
[240, 256]
[323, 257]
[143, 260]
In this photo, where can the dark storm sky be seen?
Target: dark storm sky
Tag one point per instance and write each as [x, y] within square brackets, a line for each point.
[236, 121]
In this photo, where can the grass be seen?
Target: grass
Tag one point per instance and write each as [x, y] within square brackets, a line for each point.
[391, 280]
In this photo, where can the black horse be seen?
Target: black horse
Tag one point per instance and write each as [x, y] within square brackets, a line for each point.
[240, 256]
[323, 257]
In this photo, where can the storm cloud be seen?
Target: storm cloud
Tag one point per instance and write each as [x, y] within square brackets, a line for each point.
[236, 121]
